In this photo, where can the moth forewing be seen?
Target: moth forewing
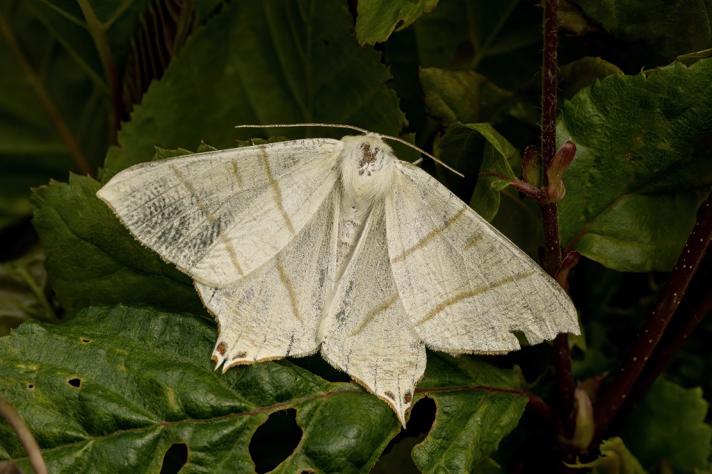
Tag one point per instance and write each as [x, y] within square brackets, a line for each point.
[219, 215]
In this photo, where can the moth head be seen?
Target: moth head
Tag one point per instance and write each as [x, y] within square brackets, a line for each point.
[367, 166]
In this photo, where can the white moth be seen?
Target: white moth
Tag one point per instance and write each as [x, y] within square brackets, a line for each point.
[338, 246]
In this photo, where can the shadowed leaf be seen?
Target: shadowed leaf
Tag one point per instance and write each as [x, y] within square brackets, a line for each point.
[669, 425]
[92, 259]
[39, 76]
[460, 96]
[23, 286]
[497, 38]
[642, 166]
[671, 27]
[377, 20]
[277, 63]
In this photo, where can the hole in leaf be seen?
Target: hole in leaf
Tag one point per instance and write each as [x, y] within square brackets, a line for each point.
[30, 386]
[85, 340]
[275, 440]
[175, 458]
[75, 382]
[396, 456]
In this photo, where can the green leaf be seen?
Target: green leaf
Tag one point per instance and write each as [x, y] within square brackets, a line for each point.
[693, 362]
[519, 218]
[479, 150]
[38, 79]
[469, 424]
[614, 459]
[500, 40]
[669, 425]
[278, 63]
[114, 388]
[460, 96]
[497, 38]
[92, 259]
[642, 165]
[22, 291]
[671, 28]
[583, 72]
[498, 158]
[376, 20]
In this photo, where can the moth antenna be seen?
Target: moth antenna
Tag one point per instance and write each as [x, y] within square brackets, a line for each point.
[423, 152]
[306, 124]
[358, 129]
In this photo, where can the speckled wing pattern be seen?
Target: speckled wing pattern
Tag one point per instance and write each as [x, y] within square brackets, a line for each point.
[275, 311]
[220, 215]
[466, 287]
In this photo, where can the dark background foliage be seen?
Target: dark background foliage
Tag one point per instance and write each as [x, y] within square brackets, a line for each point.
[105, 348]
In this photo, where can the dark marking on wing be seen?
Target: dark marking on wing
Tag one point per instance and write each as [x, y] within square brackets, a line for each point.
[470, 293]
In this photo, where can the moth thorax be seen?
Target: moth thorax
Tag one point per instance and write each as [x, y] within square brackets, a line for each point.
[367, 167]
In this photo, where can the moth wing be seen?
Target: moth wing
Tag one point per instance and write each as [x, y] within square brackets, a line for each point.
[220, 215]
[465, 286]
[275, 311]
[368, 334]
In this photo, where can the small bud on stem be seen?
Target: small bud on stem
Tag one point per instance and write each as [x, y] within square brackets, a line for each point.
[555, 188]
[531, 166]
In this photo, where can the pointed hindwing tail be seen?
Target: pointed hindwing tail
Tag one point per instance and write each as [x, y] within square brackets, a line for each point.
[275, 311]
[370, 337]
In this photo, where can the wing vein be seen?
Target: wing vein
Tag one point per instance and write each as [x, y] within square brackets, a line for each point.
[277, 192]
[430, 236]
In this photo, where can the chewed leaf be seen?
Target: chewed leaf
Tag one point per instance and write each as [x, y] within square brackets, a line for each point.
[469, 419]
[115, 388]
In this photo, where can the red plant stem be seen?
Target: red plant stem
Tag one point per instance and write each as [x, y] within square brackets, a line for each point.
[530, 190]
[614, 393]
[552, 247]
[662, 357]
[549, 81]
